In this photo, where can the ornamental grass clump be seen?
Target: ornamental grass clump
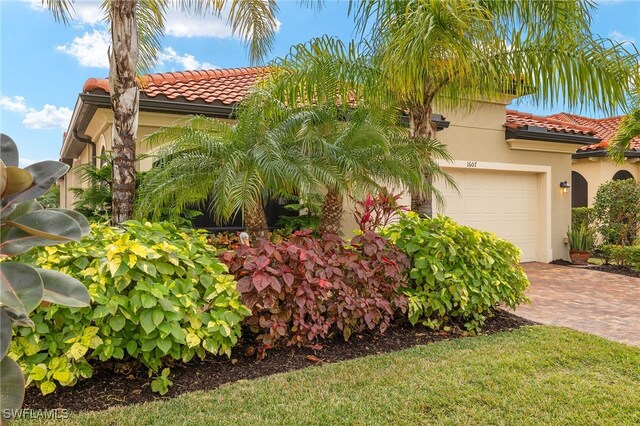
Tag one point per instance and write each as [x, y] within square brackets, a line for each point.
[159, 293]
[458, 274]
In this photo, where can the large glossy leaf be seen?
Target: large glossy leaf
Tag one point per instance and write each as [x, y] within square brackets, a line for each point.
[5, 333]
[21, 287]
[8, 151]
[18, 180]
[62, 289]
[18, 318]
[11, 385]
[85, 226]
[19, 210]
[40, 228]
[45, 174]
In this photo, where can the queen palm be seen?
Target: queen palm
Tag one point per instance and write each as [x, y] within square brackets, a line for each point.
[136, 27]
[446, 54]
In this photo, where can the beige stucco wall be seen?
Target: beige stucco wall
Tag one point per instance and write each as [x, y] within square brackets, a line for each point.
[479, 137]
[598, 170]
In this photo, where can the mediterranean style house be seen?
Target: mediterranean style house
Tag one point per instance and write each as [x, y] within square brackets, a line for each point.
[513, 170]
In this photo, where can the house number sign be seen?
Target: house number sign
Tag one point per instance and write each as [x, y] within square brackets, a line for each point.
[472, 164]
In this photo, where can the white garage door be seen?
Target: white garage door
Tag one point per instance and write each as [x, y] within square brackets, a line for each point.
[501, 202]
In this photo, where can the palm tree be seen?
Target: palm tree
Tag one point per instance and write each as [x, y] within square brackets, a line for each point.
[628, 130]
[368, 152]
[447, 54]
[235, 167]
[136, 28]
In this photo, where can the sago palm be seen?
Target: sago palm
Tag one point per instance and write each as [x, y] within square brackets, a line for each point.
[136, 27]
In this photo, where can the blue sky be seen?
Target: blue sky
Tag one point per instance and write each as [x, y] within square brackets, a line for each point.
[44, 64]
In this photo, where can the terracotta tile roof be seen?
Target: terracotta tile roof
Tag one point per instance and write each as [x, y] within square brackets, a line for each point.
[604, 128]
[518, 120]
[226, 86]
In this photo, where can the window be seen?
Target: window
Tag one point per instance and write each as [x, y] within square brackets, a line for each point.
[622, 175]
[579, 190]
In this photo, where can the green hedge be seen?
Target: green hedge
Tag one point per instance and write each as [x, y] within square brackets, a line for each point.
[581, 215]
[622, 255]
[457, 272]
[157, 292]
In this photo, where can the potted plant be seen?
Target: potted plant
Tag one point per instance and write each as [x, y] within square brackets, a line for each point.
[581, 240]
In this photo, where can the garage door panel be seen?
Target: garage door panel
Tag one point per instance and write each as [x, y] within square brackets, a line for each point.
[501, 202]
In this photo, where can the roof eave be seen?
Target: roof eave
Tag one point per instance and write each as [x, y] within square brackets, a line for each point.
[548, 136]
[603, 153]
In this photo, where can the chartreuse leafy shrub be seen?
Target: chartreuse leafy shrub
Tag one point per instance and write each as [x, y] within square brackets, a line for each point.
[457, 273]
[158, 293]
[304, 288]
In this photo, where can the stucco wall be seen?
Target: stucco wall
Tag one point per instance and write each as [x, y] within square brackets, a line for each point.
[598, 170]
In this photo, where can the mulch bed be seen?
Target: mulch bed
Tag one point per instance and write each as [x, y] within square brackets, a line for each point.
[108, 388]
[612, 269]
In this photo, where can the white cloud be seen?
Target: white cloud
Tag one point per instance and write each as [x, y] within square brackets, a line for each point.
[49, 117]
[90, 49]
[621, 38]
[83, 11]
[89, 12]
[180, 24]
[185, 61]
[14, 104]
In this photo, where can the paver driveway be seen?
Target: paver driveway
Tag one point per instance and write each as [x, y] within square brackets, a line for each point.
[595, 302]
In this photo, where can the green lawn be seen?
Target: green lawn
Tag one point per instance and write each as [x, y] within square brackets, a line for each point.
[535, 375]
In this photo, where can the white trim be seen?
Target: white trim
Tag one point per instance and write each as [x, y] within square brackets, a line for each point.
[544, 252]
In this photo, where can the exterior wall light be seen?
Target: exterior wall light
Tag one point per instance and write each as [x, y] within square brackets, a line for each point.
[564, 185]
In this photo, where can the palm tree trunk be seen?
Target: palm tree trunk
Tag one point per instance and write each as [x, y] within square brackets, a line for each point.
[125, 95]
[422, 127]
[255, 220]
[331, 214]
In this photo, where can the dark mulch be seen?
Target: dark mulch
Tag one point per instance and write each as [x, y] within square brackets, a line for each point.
[107, 388]
[612, 269]
[617, 269]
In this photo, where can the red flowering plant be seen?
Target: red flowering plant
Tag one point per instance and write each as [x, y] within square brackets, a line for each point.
[376, 212]
[303, 289]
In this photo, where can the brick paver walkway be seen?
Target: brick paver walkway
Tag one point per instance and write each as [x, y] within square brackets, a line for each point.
[600, 303]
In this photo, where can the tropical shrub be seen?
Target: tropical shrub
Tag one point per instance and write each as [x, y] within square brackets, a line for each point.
[457, 273]
[377, 211]
[581, 215]
[158, 292]
[307, 215]
[303, 289]
[24, 224]
[621, 255]
[617, 210]
[581, 238]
